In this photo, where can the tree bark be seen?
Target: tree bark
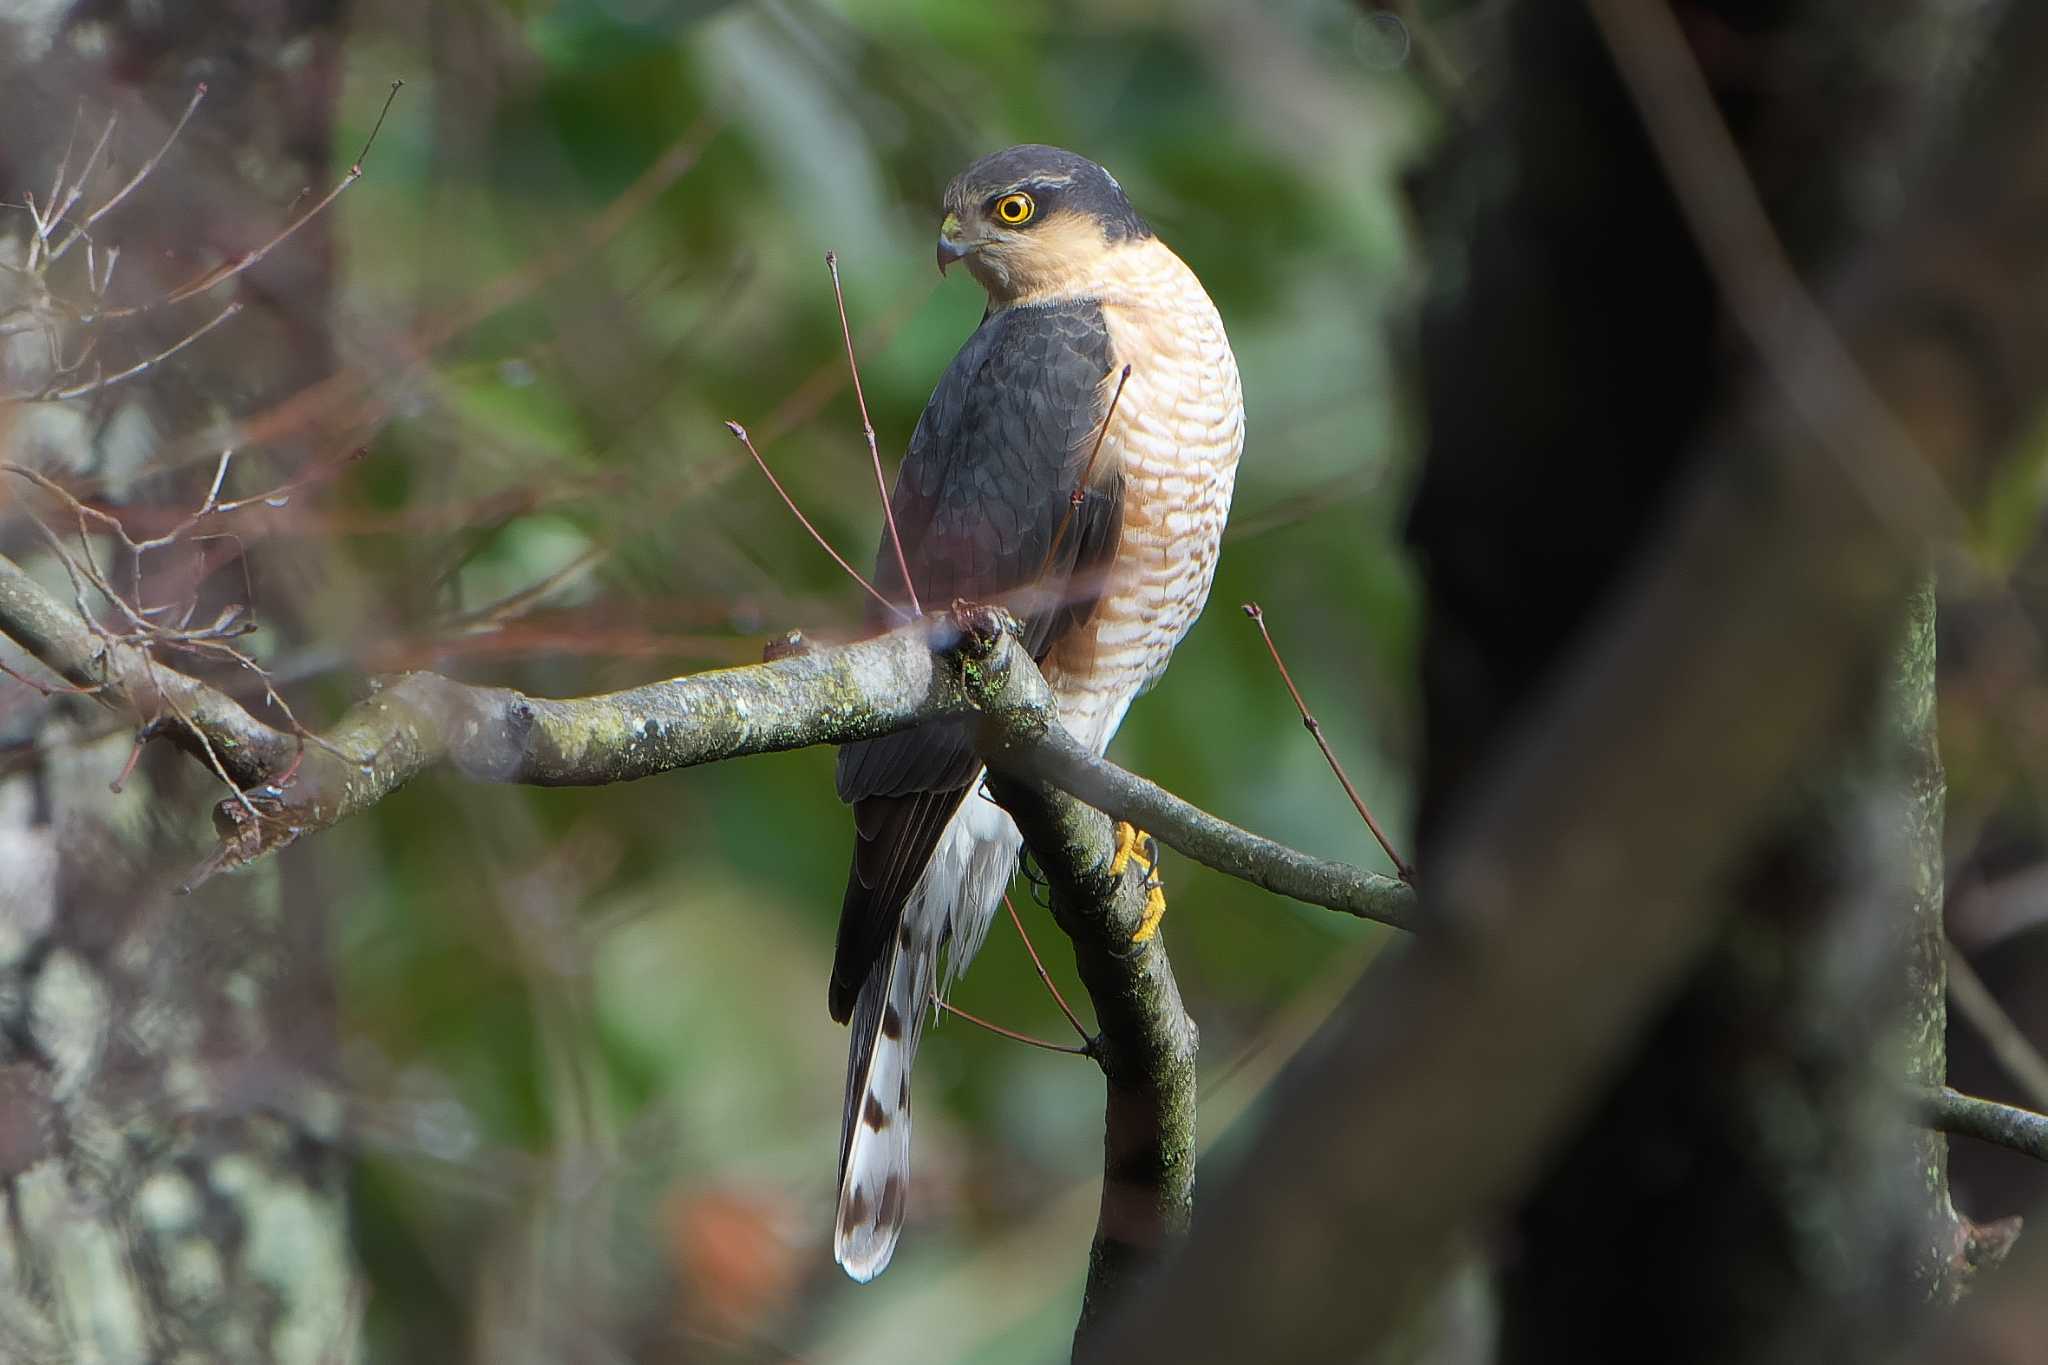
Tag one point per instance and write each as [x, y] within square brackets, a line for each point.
[171, 1140]
[1747, 1177]
[1641, 1045]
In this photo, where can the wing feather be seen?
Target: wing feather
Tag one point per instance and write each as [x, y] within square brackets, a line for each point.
[985, 505]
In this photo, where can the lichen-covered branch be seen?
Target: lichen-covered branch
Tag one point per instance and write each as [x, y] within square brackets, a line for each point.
[1056, 757]
[944, 665]
[947, 664]
[966, 661]
[1947, 1111]
[1146, 1047]
[194, 715]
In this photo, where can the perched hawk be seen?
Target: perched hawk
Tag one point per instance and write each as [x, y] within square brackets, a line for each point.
[1027, 416]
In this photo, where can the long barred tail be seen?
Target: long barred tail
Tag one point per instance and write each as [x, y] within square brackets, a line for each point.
[874, 1142]
[949, 910]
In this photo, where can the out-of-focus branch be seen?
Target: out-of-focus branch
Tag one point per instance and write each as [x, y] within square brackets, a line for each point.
[2006, 1125]
[1583, 882]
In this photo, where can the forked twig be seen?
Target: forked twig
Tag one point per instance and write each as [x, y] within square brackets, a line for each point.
[235, 265]
[1011, 1034]
[736, 429]
[868, 429]
[1087, 1038]
[1402, 867]
[147, 363]
[63, 200]
[142, 174]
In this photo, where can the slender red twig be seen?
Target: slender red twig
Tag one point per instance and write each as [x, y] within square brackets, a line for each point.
[1402, 867]
[868, 429]
[128, 768]
[1002, 1032]
[1087, 1038]
[1080, 493]
[148, 362]
[49, 689]
[235, 265]
[141, 174]
[62, 203]
[736, 429]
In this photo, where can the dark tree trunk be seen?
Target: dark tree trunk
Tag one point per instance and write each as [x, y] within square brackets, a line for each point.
[1739, 1193]
[169, 1121]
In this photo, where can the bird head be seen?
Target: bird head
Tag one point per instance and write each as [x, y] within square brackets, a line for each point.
[1034, 222]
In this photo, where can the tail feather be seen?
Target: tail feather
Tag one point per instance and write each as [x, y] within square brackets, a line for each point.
[874, 1145]
[949, 909]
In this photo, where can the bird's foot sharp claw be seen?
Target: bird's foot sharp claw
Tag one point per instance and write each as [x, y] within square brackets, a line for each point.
[1131, 848]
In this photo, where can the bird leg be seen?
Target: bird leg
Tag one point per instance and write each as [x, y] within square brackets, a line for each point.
[1128, 840]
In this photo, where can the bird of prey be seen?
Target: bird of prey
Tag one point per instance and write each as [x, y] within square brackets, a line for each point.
[1075, 463]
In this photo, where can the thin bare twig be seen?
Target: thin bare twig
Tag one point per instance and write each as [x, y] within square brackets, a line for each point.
[71, 197]
[868, 429]
[150, 362]
[134, 757]
[950, 1008]
[48, 689]
[1080, 490]
[2013, 1049]
[736, 429]
[1402, 866]
[141, 174]
[235, 265]
[1044, 976]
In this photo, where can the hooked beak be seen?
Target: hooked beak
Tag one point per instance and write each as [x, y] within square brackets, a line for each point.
[951, 248]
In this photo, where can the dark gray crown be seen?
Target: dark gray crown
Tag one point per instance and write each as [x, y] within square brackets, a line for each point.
[1058, 179]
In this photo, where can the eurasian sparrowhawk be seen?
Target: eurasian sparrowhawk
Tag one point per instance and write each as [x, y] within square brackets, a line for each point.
[1095, 516]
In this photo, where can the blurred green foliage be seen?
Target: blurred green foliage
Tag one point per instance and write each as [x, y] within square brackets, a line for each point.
[588, 1027]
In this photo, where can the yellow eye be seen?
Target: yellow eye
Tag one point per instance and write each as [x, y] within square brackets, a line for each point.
[1015, 209]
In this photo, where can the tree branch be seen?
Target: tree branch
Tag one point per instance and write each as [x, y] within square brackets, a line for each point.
[125, 675]
[1056, 757]
[943, 665]
[966, 661]
[1146, 1047]
[946, 664]
[1585, 877]
[2022, 1130]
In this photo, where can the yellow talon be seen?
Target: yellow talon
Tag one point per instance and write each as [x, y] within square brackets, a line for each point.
[1155, 911]
[1128, 838]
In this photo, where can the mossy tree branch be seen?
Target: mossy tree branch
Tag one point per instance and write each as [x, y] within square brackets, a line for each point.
[960, 662]
[1146, 1047]
[949, 663]
[1948, 1111]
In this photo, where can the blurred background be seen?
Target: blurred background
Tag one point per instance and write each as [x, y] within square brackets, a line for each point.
[589, 1096]
[508, 1074]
